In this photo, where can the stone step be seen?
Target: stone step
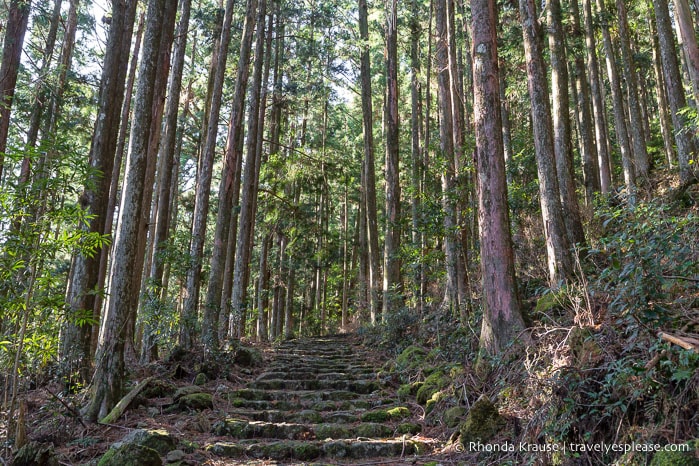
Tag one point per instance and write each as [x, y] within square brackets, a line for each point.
[354, 386]
[296, 405]
[310, 450]
[303, 367]
[308, 374]
[290, 395]
[333, 416]
[244, 429]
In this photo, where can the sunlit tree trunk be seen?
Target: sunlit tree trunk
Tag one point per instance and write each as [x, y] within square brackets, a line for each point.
[415, 149]
[188, 320]
[675, 93]
[15, 29]
[250, 178]
[392, 286]
[502, 319]
[640, 153]
[685, 26]
[661, 95]
[601, 130]
[75, 349]
[557, 243]
[109, 372]
[562, 137]
[369, 167]
[590, 164]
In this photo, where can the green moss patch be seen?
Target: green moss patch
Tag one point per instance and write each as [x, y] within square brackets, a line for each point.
[482, 422]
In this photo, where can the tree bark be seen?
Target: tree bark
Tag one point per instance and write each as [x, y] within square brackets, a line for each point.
[562, 138]
[502, 319]
[15, 29]
[203, 187]
[661, 96]
[601, 130]
[557, 244]
[75, 346]
[109, 372]
[675, 93]
[685, 25]
[392, 286]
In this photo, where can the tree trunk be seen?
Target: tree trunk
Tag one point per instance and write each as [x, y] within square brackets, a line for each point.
[591, 172]
[685, 26]
[415, 149]
[109, 373]
[619, 108]
[15, 29]
[502, 318]
[263, 287]
[675, 93]
[562, 139]
[557, 244]
[369, 167]
[230, 185]
[250, 179]
[661, 96]
[640, 153]
[392, 286]
[601, 131]
[74, 352]
[203, 187]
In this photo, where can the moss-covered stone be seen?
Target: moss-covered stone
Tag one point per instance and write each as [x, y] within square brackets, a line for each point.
[200, 379]
[408, 390]
[434, 383]
[482, 422]
[555, 301]
[411, 358]
[398, 413]
[674, 458]
[196, 402]
[432, 402]
[375, 416]
[453, 416]
[372, 430]
[35, 454]
[130, 454]
[332, 431]
[308, 415]
[184, 391]
[158, 388]
[159, 440]
[408, 428]
[248, 357]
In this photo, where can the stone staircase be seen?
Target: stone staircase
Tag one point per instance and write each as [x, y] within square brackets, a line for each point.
[320, 401]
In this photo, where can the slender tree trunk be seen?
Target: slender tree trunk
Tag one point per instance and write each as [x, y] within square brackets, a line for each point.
[562, 138]
[621, 129]
[203, 187]
[109, 372]
[502, 318]
[263, 287]
[601, 132]
[369, 167]
[591, 172]
[640, 153]
[250, 179]
[75, 347]
[392, 286]
[557, 243]
[685, 26]
[661, 96]
[505, 118]
[415, 152]
[229, 184]
[15, 29]
[675, 94]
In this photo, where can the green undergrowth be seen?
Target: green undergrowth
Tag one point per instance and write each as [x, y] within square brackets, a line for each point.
[601, 371]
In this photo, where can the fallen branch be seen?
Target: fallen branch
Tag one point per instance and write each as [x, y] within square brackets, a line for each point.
[680, 277]
[677, 341]
[72, 410]
[119, 409]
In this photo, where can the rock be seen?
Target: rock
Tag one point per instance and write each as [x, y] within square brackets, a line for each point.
[408, 390]
[434, 383]
[408, 428]
[453, 416]
[399, 412]
[130, 454]
[159, 440]
[375, 416]
[482, 422]
[411, 358]
[174, 456]
[184, 391]
[196, 402]
[158, 388]
[246, 356]
[200, 379]
[35, 454]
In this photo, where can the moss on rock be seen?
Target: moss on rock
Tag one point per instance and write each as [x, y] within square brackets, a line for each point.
[397, 413]
[196, 402]
[434, 383]
[674, 458]
[375, 416]
[408, 428]
[35, 454]
[482, 422]
[159, 440]
[411, 358]
[453, 416]
[131, 454]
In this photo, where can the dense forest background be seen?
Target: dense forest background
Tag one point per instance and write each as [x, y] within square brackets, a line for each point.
[510, 184]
